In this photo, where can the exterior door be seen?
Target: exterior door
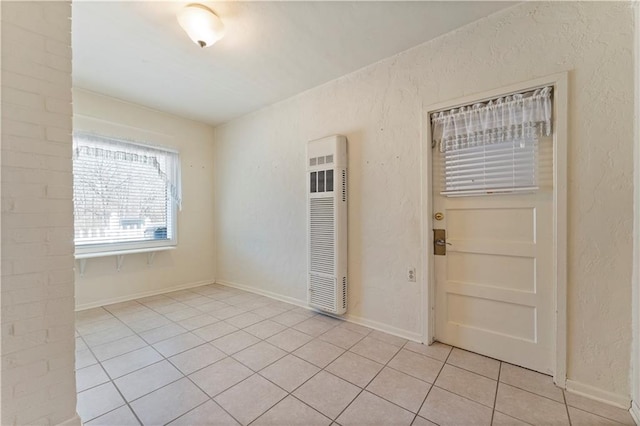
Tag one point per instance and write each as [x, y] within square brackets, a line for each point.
[494, 291]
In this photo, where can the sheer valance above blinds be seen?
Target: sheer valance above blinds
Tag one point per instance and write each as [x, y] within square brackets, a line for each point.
[165, 162]
[511, 117]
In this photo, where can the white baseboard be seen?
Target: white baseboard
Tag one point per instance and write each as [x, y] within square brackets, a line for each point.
[635, 412]
[591, 392]
[134, 296]
[389, 329]
[416, 337]
[287, 299]
[73, 421]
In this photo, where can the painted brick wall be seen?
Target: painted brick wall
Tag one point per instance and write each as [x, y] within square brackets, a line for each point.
[37, 290]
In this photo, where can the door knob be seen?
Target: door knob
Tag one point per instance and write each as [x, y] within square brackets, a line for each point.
[440, 242]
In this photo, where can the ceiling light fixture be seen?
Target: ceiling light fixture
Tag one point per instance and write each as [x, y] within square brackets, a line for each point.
[201, 24]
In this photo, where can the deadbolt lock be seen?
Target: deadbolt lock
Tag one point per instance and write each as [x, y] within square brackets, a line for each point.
[438, 216]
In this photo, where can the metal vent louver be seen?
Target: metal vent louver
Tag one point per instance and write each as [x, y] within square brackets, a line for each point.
[344, 185]
[322, 236]
[323, 292]
[344, 293]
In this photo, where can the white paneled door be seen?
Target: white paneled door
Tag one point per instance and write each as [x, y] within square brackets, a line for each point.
[494, 290]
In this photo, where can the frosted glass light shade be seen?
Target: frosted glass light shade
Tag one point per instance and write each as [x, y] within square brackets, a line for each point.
[201, 24]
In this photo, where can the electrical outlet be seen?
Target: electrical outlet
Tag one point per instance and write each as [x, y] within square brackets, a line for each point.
[411, 274]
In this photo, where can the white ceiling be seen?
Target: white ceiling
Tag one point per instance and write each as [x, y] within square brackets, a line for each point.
[136, 51]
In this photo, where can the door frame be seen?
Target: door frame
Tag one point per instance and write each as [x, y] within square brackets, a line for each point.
[635, 348]
[559, 82]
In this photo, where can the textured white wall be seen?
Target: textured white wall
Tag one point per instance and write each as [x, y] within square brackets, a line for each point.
[260, 164]
[192, 262]
[38, 381]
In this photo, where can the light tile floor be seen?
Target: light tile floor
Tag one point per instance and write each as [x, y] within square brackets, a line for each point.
[217, 355]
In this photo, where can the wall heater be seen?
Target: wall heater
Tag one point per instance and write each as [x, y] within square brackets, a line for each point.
[327, 212]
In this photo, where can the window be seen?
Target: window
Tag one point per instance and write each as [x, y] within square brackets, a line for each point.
[125, 195]
[492, 146]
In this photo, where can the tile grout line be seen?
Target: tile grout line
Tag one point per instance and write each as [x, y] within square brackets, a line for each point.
[566, 407]
[315, 374]
[423, 354]
[320, 369]
[497, 385]
[209, 398]
[376, 375]
[596, 415]
[498, 382]
[363, 389]
[296, 388]
[126, 403]
[538, 395]
[312, 376]
[434, 383]
[398, 371]
[495, 396]
[474, 372]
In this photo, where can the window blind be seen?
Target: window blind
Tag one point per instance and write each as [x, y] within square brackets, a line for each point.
[124, 193]
[508, 166]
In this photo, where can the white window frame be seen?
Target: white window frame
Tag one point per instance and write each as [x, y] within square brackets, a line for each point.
[87, 251]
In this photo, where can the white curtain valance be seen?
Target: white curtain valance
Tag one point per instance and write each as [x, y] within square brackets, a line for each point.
[509, 117]
[110, 149]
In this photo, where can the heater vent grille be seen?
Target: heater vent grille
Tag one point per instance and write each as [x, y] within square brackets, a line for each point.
[344, 185]
[327, 224]
[344, 293]
[322, 233]
[323, 292]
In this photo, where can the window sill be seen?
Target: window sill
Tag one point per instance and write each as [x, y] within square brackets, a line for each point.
[120, 254]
